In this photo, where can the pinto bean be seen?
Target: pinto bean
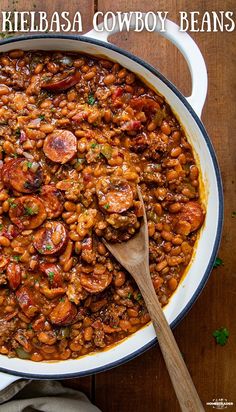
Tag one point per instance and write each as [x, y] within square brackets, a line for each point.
[53, 200]
[27, 212]
[49, 338]
[43, 241]
[60, 146]
[64, 313]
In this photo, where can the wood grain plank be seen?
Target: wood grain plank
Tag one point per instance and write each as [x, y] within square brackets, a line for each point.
[143, 384]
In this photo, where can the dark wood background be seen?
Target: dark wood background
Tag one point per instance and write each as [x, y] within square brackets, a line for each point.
[143, 384]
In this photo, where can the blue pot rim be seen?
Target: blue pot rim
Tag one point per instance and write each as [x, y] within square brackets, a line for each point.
[207, 273]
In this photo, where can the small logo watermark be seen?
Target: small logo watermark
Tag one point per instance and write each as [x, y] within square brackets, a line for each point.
[219, 403]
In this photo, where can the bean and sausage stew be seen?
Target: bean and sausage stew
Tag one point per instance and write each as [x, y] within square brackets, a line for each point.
[77, 134]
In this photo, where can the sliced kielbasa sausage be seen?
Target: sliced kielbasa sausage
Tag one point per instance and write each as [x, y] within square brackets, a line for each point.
[26, 301]
[96, 282]
[62, 81]
[14, 275]
[115, 194]
[53, 273]
[27, 212]
[64, 313]
[60, 146]
[53, 200]
[190, 218]
[144, 103]
[51, 238]
[17, 175]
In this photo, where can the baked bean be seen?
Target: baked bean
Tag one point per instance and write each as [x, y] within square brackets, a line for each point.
[175, 207]
[176, 151]
[125, 325]
[88, 333]
[75, 346]
[119, 279]
[165, 128]
[36, 357]
[4, 90]
[4, 241]
[172, 284]
[109, 79]
[160, 266]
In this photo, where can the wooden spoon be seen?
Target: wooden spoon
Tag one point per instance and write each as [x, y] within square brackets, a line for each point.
[133, 255]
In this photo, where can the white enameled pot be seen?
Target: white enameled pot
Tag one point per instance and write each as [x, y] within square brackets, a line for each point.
[188, 111]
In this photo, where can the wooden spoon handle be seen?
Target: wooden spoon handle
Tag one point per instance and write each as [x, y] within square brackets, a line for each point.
[184, 387]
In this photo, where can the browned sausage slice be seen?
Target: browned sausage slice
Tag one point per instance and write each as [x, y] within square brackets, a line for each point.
[27, 212]
[144, 103]
[115, 195]
[53, 272]
[17, 175]
[190, 218]
[60, 146]
[26, 301]
[5, 172]
[95, 282]
[53, 200]
[62, 81]
[51, 238]
[64, 313]
[14, 275]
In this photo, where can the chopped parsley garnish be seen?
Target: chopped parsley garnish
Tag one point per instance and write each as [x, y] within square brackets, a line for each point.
[221, 336]
[139, 296]
[80, 161]
[107, 206]
[31, 210]
[42, 116]
[27, 185]
[1, 226]
[17, 258]
[91, 99]
[51, 275]
[129, 295]
[48, 247]
[218, 262]
[30, 326]
[12, 204]
[17, 132]
[62, 300]
[29, 164]
[93, 145]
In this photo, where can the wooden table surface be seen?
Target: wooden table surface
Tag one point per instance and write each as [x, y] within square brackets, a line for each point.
[143, 384]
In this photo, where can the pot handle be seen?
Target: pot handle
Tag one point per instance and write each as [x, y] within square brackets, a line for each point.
[187, 47]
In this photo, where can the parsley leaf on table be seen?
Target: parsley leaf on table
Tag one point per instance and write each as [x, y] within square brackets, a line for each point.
[221, 336]
[218, 262]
